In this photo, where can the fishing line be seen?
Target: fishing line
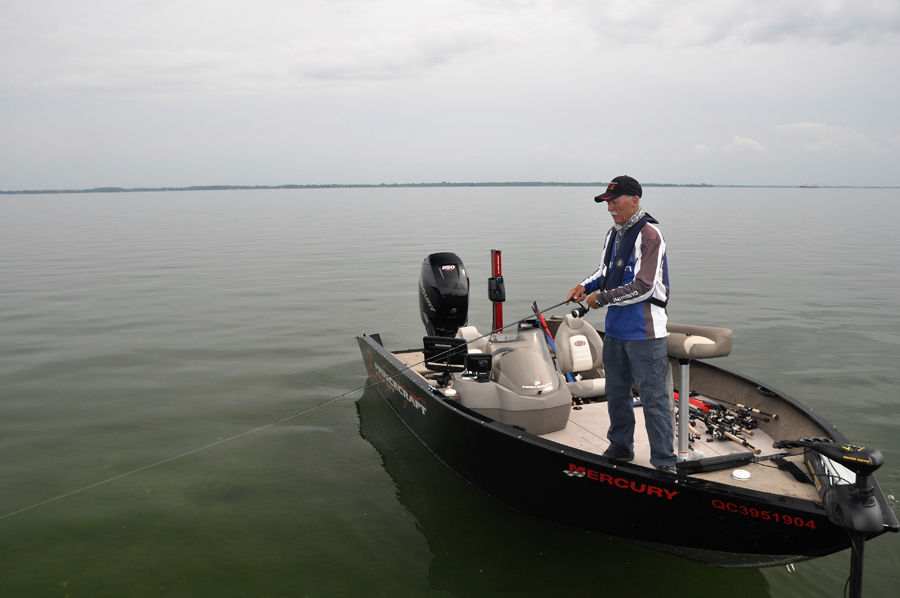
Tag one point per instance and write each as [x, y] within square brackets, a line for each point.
[259, 429]
[185, 454]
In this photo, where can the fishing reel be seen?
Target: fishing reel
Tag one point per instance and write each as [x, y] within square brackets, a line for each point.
[746, 418]
[580, 311]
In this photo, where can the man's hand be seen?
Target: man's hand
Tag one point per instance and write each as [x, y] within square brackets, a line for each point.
[577, 294]
[592, 301]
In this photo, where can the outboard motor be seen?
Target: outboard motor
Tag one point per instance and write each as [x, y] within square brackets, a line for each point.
[443, 294]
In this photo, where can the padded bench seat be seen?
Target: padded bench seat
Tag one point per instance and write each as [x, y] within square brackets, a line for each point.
[697, 342]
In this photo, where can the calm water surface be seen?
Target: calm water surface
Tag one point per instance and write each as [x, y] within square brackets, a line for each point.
[135, 328]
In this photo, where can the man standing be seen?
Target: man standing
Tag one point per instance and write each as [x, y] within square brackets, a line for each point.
[633, 283]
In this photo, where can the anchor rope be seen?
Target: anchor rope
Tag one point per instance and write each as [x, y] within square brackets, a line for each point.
[260, 428]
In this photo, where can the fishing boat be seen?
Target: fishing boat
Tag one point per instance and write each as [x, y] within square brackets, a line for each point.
[519, 412]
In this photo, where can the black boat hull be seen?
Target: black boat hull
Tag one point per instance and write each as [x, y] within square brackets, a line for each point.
[716, 524]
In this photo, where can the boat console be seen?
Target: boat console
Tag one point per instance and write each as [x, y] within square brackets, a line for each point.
[527, 390]
[510, 377]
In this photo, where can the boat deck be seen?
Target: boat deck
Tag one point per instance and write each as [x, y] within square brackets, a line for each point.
[587, 427]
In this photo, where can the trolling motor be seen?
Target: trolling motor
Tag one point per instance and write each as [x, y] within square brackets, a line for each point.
[858, 510]
[850, 506]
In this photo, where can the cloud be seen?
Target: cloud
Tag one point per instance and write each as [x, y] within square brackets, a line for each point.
[742, 145]
[238, 47]
[281, 67]
[702, 22]
[391, 55]
[291, 89]
[819, 137]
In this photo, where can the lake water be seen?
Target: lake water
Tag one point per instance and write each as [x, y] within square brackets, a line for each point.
[137, 328]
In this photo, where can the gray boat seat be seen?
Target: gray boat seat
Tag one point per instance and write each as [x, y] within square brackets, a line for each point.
[579, 351]
[470, 334]
[687, 343]
[697, 342]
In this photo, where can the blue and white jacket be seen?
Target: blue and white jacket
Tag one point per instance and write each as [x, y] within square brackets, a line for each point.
[636, 305]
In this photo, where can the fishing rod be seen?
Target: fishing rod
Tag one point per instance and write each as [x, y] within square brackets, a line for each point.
[543, 322]
[453, 350]
[457, 349]
[719, 427]
[540, 317]
[747, 422]
[742, 422]
[747, 408]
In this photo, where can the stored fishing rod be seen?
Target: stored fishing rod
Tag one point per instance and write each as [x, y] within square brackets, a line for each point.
[712, 429]
[754, 410]
[742, 424]
[543, 322]
[747, 422]
[720, 427]
[750, 409]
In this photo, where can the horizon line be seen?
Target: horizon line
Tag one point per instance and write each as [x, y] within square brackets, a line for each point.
[403, 185]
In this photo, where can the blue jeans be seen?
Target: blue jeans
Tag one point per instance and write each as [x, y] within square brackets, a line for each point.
[645, 362]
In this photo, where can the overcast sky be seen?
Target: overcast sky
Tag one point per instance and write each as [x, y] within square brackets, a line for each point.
[156, 93]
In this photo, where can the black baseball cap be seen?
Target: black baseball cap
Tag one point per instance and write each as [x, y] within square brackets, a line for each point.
[621, 185]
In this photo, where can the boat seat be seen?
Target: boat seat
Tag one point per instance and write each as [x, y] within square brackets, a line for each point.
[687, 343]
[469, 334]
[579, 350]
[697, 342]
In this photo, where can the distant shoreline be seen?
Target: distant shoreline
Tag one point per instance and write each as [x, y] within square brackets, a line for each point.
[403, 185]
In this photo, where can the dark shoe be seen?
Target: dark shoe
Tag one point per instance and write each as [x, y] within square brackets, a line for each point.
[611, 454]
[667, 468]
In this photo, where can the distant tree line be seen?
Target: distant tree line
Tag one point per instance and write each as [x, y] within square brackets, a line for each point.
[396, 185]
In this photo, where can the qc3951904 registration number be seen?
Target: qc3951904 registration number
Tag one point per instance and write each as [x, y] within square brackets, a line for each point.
[767, 515]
